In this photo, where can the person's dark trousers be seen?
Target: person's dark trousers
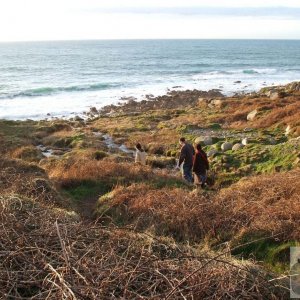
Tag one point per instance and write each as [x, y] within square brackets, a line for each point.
[187, 173]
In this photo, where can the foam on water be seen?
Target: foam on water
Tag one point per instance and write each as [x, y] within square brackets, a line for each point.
[61, 79]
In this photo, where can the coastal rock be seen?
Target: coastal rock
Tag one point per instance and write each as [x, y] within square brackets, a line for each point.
[277, 95]
[272, 141]
[212, 152]
[201, 101]
[199, 140]
[245, 141]
[280, 91]
[226, 146]
[288, 130]
[173, 100]
[237, 146]
[293, 87]
[217, 102]
[297, 161]
[93, 110]
[251, 116]
[128, 98]
[78, 119]
[293, 131]
[274, 96]
[206, 140]
[149, 96]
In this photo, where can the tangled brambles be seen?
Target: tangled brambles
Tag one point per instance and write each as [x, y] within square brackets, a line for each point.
[47, 254]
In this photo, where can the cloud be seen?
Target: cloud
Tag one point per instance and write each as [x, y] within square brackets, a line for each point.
[288, 12]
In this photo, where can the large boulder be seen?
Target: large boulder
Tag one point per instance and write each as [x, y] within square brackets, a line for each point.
[237, 146]
[202, 101]
[245, 141]
[292, 131]
[199, 140]
[288, 130]
[94, 111]
[206, 140]
[277, 95]
[216, 102]
[226, 146]
[293, 87]
[252, 115]
[212, 152]
[78, 119]
[297, 161]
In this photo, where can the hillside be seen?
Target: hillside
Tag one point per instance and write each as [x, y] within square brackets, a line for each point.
[81, 221]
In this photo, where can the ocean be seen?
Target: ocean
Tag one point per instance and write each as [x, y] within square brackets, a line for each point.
[41, 80]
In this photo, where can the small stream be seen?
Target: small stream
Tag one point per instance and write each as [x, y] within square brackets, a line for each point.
[46, 152]
[108, 140]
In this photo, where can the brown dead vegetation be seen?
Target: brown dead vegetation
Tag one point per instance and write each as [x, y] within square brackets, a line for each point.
[27, 153]
[18, 177]
[71, 171]
[282, 111]
[47, 254]
[262, 205]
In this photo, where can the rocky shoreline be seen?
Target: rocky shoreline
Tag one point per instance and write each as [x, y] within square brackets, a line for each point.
[175, 99]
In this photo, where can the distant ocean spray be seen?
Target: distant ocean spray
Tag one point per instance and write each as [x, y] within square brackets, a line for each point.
[66, 78]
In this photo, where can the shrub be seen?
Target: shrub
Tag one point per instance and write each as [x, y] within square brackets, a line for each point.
[27, 153]
[264, 205]
[98, 155]
[62, 257]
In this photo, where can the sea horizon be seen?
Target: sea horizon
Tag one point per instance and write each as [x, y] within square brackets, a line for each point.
[148, 39]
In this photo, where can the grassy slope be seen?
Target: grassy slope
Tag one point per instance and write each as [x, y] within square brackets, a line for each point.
[156, 200]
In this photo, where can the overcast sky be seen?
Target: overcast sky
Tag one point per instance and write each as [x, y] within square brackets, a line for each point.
[134, 19]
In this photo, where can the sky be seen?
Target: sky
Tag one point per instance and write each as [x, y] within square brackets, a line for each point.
[35, 20]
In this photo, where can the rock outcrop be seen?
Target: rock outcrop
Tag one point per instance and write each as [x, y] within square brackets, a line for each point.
[237, 146]
[206, 140]
[212, 152]
[226, 146]
[245, 141]
[173, 100]
[252, 115]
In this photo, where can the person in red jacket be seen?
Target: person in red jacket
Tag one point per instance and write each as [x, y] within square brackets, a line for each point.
[200, 166]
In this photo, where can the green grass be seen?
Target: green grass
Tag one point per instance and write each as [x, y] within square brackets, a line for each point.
[168, 182]
[87, 189]
[281, 156]
[275, 255]
[14, 134]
